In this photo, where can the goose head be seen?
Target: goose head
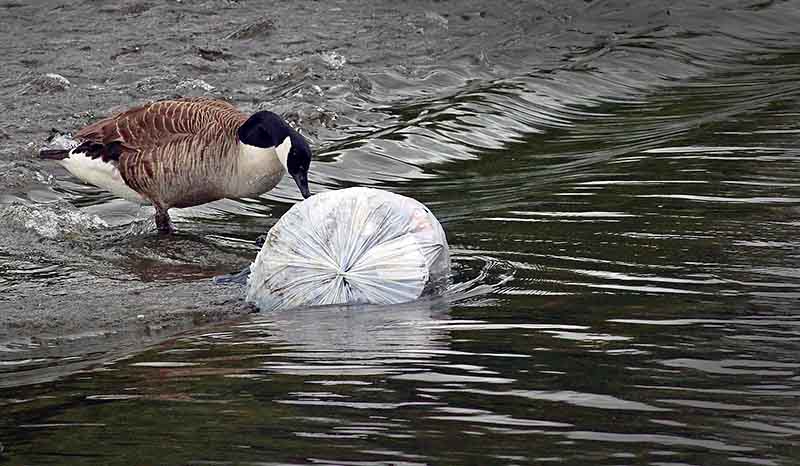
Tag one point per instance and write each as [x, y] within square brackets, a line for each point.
[266, 130]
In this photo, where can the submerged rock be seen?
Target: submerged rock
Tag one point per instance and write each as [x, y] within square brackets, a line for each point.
[212, 54]
[259, 28]
[50, 82]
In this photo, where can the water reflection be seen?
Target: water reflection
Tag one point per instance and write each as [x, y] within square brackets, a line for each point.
[378, 374]
[355, 340]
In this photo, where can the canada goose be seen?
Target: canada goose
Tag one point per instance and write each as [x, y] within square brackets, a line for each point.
[186, 152]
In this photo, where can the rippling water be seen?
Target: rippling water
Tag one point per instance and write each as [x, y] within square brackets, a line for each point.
[620, 189]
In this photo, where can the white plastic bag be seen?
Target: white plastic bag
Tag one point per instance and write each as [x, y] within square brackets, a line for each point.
[355, 245]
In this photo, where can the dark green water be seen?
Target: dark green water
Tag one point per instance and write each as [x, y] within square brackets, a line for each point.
[621, 192]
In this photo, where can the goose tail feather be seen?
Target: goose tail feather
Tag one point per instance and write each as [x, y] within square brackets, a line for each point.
[54, 154]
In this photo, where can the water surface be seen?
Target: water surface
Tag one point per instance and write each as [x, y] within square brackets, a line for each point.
[620, 189]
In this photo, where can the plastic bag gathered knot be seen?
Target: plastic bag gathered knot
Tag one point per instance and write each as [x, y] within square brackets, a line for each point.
[355, 245]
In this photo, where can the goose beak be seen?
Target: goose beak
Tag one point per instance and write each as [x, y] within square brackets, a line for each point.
[302, 182]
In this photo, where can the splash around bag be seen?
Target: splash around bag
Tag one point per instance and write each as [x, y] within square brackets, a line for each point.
[351, 246]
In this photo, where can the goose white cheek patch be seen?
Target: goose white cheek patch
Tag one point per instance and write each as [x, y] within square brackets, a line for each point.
[283, 152]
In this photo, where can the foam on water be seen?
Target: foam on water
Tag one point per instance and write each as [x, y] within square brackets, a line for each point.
[55, 220]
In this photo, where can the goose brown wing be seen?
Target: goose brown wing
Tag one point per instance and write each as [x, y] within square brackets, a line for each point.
[185, 170]
[158, 123]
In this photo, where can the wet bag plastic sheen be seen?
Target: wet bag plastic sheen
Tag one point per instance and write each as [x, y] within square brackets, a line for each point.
[355, 245]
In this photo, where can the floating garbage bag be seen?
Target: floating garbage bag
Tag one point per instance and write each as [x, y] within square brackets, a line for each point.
[355, 245]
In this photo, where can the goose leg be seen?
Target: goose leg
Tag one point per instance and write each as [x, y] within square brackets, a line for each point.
[163, 223]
